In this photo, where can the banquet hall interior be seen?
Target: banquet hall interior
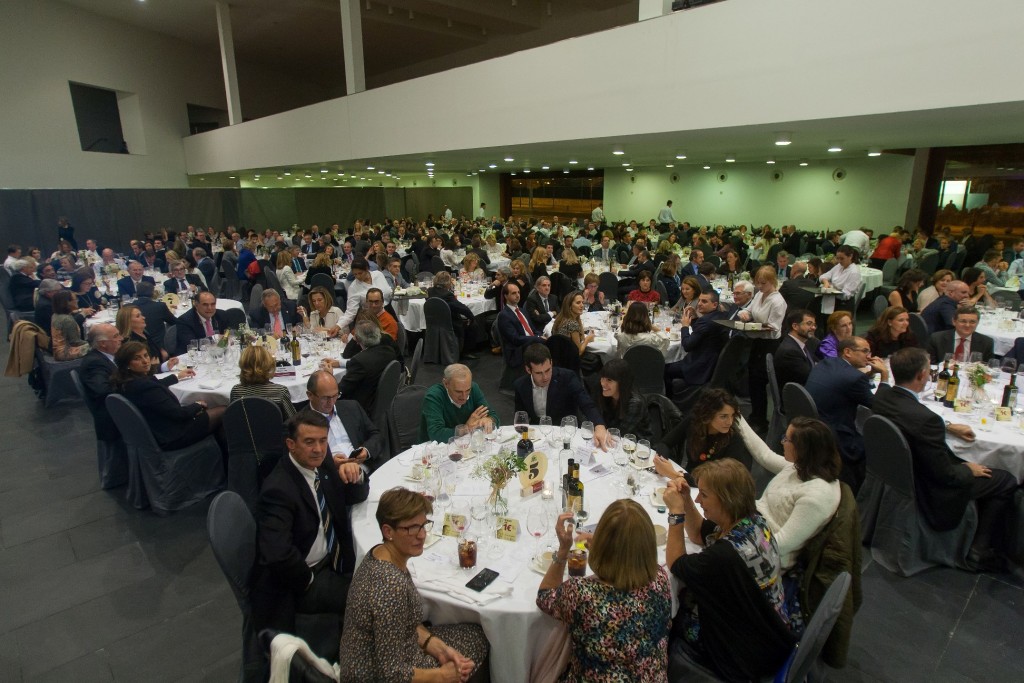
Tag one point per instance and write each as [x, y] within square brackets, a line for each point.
[135, 115]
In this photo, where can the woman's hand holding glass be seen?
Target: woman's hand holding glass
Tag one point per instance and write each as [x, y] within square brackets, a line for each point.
[564, 529]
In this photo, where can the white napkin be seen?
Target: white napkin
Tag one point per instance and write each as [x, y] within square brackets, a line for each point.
[458, 591]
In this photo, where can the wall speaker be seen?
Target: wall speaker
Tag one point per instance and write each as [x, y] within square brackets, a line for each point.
[674, 178]
[723, 176]
[776, 176]
[632, 178]
[839, 174]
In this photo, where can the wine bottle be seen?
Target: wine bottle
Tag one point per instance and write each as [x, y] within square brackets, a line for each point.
[953, 387]
[1010, 393]
[525, 446]
[568, 475]
[222, 343]
[578, 489]
[296, 349]
[942, 383]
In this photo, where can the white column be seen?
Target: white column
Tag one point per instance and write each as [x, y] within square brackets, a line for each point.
[650, 9]
[352, 44]
[227, 60]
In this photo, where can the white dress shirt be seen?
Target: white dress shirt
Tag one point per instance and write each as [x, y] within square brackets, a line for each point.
[357, 293]
[540, 399]
[847, 279]
[318, 550]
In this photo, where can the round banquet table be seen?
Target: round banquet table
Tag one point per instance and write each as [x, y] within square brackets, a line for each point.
[215, 387]
[871, 277]
[516, 629]
[410, 311]
[108, 316]
[607, 346]
[1004, 328]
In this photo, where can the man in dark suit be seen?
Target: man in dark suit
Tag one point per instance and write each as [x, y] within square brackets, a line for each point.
[554, 392]
[782, 267]
[95, 372]
[604, 252]
[158, 316]
[181, 282]
[703, 340]
[541, 304]
[206, 265]
[515, 331]
[463, 321]
[306, 551]
[944, 483]
[795, 355]
[838, 385]
[962, 340]
[275, 312]
[938, 315]
[365, 368]
[203, 320]
[126, 285]
[693, 266]
[792, 290]
[352, 433]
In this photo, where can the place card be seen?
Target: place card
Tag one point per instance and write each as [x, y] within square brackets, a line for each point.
[584, 455]
[962, 405]
[508, 529]
[1004, 414]
[448, 527]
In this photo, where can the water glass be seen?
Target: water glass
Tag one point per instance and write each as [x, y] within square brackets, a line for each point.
[587, 432]
[546, 426]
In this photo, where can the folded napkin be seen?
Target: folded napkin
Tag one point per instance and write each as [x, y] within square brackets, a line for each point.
[457, 590]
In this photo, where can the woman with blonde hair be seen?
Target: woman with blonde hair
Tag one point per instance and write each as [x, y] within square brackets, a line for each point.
[321, 264]
[569, 321]
[257, 367]
[286, 276]
[940, 279]
[132, 325]
[323, 314]
[618, 618]
[570, 266]
[538, 265]
[768, 308]
[384, 638]
[471, 267]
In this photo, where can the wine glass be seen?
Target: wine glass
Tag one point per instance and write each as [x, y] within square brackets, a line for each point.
[478, 441]
[454, 450]
[463, 435]
[461, 518]
[643, 453]
[587, 432]
[490, 431]
[629, 446]
[568, 430]
[546, 427]
[521, 422]
[537, 525]
[1008, 365]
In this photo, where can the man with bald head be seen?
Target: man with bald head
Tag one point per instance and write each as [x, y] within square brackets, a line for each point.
[352, 435]
[938, 315]
[455, 400]
[126, 286]
[95, 371]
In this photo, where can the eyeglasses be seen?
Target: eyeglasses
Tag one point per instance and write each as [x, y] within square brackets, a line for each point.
[867, 350]
[333, 397]
[786, 439]
[415, 529]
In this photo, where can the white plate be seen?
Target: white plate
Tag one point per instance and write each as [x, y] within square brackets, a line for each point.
[641, 468]
[657, 499]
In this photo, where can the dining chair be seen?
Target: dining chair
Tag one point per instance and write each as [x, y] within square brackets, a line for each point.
[255, 436]
[111, 457]
[442, 346]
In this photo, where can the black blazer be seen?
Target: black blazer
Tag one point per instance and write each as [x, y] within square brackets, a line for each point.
[795, 295]
[95, 371]
[791, 365]
[158, 318]
[566, 396]
[359, 384]
[22, 288]
[535, 309]
[837, 389]
[288, 520]
[460, 311]
[164, 414]
[171, 286]
[941, 480]
[362, 432]
[941, 343]
[514, 338]
[260, 318]
[126, 287]
[938, 315]
[702, 346]
[191, 327]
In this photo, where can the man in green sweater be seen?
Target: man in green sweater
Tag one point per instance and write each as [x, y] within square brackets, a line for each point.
[454, 401]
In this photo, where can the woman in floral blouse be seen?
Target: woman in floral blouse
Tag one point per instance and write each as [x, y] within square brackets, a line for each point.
[618, 617]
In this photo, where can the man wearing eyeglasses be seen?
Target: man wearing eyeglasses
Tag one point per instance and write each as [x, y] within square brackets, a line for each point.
[838, 385]
[352, 435]
[306, 552]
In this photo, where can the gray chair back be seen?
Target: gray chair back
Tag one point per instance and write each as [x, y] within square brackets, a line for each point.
[879, 305]
[662, 292]
[919, 328]
[234, 317]
[255, 435]
[888, 454]
[56, 377]
[807, 653]
[608, 284]
[856, 303]
[561, 285]
[404, 418]
[798, 401]
[441, 344]
[648, 365]
[663, 415]
[564, 352]
[387, 388]
[417, 361]
[731, 363]
[111, 458]
[403, 338]
[323, 280]
[930, 263]
[170, 341]
[889, 271]
[863, 413]
[777, 424]
[1004, 297]
[274, 283]
[255, 299]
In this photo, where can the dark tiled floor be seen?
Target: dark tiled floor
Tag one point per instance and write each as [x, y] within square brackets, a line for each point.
[92, 590]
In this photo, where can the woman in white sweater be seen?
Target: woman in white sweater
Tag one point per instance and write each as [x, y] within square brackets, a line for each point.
[637, 330]
[768, 308]
[286, 276]
[804, 494]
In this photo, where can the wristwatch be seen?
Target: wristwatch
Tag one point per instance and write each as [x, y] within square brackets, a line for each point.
[674, 520]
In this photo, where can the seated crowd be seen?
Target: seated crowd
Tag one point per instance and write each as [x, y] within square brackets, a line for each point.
[743, 600]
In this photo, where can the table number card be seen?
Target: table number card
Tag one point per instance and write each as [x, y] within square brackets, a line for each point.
[1004, 414]
[962, 405]
[532, 478]
[508, 529]
[449, 527]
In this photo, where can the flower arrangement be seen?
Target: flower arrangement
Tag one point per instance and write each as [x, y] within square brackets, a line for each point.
[978, 375]
[499, 469]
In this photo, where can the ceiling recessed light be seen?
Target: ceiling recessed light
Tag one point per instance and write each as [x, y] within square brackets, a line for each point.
[573, 161]
[669, 165]
[730, 158]
[626, 164]
[370, 168]
[544, 168]
[509, 159]
[629, 170]
[770, 161]
[287, 172]
[308, 175]
[590, 168]
[618, 151]
[783, 139]
[323, 170]
[380, 172]
[834, 147]
[874, 153]
[429, 163]
[513, 173]
[526, 170]
[492, 166]
[803, 163]
[565, 170]
[707, 168]
[231, 176]
[482, 170]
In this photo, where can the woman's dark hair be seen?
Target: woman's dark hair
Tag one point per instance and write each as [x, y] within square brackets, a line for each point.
[910, 277]
[693, 283]
[619, 371]
[849, 251]
[970, 276]
[123, 373]
[880, 329]
[62, 302]
[709, 402]
[637, 319]
[816, 452]
[80, 276]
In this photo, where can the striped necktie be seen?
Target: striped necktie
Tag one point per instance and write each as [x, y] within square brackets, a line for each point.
[333, 549]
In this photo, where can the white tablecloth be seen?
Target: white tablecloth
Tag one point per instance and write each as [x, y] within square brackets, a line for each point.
[515, 627]
[871, 277]
[216, 390]
[108, 316]
[996, 444]
[410, 311]
[607, 346]
[1004, 330]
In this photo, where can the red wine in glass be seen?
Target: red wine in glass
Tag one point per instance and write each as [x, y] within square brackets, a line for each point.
[455, 457]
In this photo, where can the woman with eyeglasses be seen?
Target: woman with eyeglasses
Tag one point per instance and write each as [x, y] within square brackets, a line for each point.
[384, 638]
